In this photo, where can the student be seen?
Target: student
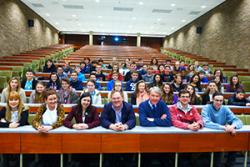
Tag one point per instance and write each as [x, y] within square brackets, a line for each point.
[61, 74]
[80, 76]
[157, 81]
[185, 116]
[99, 74]
[219, 73]
[29, 82]
[128, 75]
[168, 95]
[195, 99]
[37, 95]
[110, 83]
[66, 68]
[154, 112]
[149, 76]
[92, 76]
[207, 97]
[118, 87]
[13, 85]
[130, 85]
[49, 66]
[85, 115]
[54, 82]
[50, 115]
[177, 84]
[196, 82]
[140, 94]
[14, 114]
[74, 82]
[95, 94]
[67, 95]
[238, 99]
[154, 63]
[234, 84]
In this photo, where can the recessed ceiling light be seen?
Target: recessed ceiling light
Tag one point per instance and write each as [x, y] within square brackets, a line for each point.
[56, 23]
[203, 6]
[133, 18]
[159, 19]
[97, 1]
[172, 28]
[73, 15]
[141, 3]
[183, 20]
[47, 14]
[99, 17]
[173, 4]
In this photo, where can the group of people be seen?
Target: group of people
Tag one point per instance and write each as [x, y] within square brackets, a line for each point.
[118, 114]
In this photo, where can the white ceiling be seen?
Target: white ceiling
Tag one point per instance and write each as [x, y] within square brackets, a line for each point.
[127, 17]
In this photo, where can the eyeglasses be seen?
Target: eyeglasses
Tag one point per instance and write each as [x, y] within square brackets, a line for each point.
[218, 100]
[185, 97]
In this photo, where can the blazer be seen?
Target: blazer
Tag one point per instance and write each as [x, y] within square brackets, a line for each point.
[22, 121]
[38, 118]
[91, 119]
[108, 115]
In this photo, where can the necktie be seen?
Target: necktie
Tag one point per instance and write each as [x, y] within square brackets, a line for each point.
[154, 107]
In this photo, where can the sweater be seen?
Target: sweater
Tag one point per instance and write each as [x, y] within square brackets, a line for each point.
[217, 119]
[146, 111]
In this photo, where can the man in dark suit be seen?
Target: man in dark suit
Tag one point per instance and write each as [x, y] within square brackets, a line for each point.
[118, 115]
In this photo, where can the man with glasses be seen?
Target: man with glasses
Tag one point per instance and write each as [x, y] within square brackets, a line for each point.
[185, 116]
[218, 116]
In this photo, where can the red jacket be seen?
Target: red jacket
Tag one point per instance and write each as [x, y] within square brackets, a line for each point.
[182, 120]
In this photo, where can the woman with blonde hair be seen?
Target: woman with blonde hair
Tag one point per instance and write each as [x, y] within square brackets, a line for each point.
[37, 95]
[13, 85]
[118, 87]
[14, 114]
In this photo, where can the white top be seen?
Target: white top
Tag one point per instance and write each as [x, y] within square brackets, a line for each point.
[14, 116]
[50, 116]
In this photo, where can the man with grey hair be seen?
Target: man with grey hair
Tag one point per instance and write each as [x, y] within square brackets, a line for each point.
[154, 112]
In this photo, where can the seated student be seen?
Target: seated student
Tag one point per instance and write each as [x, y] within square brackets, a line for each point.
[74, 82]
[168, 77]
[219, 73]
[157, 81]
[177, 84]
[219, 85]
[110, 83]
[95, 94]
[13, 85]
[195, 99]
[203, 77]
[238, 99]
[61, 74]
[154, 63]
[80, 76]
[37, 95]
[14, 114]
[140, 94]
[168, 95]
[85, 114]
[118, 87]
[143, 70]
[118, 115]
[234, 84]
[149, 76]
[83, 67]
[88, 64]
[207, 71]
[49, 66]
[154, 112]
[54, 82]
[29, 82]
[99, 75]
[66, 94]
[66, 67]
[92, 76]
[185, 116]
[207, 97]
[130, 85]
[196, 83]
[218, 116]
[50, 115]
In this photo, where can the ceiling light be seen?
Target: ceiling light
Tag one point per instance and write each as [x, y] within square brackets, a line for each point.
[56, 23]
[159, 19]
[73, 15]
[47, 14]
[172, 28]
[173, 5]
[141, 3]
[183, 20]
[99, 17]
[133, 18]
[97, 1]
[203, 6]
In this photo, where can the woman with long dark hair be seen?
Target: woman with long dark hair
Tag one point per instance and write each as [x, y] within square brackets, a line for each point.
[168, 95]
